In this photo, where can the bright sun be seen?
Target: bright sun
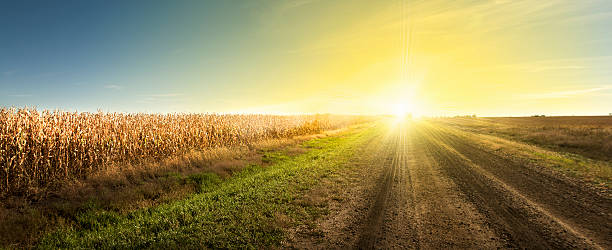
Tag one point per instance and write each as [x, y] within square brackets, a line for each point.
[402, 109]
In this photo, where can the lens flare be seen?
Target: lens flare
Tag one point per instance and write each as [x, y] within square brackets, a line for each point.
[402, 110]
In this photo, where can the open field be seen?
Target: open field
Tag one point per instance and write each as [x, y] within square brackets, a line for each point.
[305, 124]
[590, 136]
[91, 203]
[382, 184]
[40, 149]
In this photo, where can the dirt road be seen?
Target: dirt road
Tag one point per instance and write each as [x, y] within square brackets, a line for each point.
[433, 188]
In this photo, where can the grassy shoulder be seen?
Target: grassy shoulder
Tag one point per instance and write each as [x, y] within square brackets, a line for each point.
[25, 219]
[590, 137]
[249, 209]
[592, 171]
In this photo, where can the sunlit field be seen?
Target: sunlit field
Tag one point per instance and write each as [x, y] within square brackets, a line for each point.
[39, 148]
[306, 124]
[590, 136]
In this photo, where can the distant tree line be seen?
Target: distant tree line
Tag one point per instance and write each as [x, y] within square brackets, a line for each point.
[465, 116]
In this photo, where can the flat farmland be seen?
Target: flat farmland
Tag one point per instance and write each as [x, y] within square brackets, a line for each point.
[384, 183]
[590, 136]
[306, 124]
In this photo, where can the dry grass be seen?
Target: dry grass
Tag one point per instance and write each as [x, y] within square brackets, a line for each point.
[40, 149]
[125, 188]
[590, 136]
[56, 165]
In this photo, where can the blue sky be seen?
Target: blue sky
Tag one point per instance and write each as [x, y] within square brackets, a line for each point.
[306, 56]
[113, 55]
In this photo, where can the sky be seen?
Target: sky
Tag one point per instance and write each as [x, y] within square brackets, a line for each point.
[427, 57]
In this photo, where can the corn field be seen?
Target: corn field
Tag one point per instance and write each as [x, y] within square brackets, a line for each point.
[38, 148]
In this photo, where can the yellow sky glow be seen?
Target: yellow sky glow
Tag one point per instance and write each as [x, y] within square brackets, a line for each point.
[437, 57]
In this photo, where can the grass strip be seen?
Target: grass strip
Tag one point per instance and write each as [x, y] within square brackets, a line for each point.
[241, 212]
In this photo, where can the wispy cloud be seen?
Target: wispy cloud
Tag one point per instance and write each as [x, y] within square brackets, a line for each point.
[566, 94]
[294, 4]
[163, 95]
[553, 68]
[153, 98]
[8, 73]
[113, 86]
[177, 51]
[559, 64]
[20, 95]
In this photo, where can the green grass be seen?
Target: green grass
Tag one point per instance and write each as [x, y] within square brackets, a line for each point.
[204, 181]
[578, 166]
[243, 211]
[574, 164]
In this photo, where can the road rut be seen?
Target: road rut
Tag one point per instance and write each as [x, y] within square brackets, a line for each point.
[426, 186]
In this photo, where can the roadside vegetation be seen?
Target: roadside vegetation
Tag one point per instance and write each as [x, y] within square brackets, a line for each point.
[41, 149]
[249, 209]
[542, 144]
[589, 136]
[221, 190]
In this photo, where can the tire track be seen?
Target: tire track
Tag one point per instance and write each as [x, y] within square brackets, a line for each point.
[521, 221]
[390, 204]
[581, 208]
[417, 207]
[375, 216]
[438, 190]
[448, 219]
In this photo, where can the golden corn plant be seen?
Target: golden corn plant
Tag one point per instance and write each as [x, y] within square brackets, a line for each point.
[37, 148]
